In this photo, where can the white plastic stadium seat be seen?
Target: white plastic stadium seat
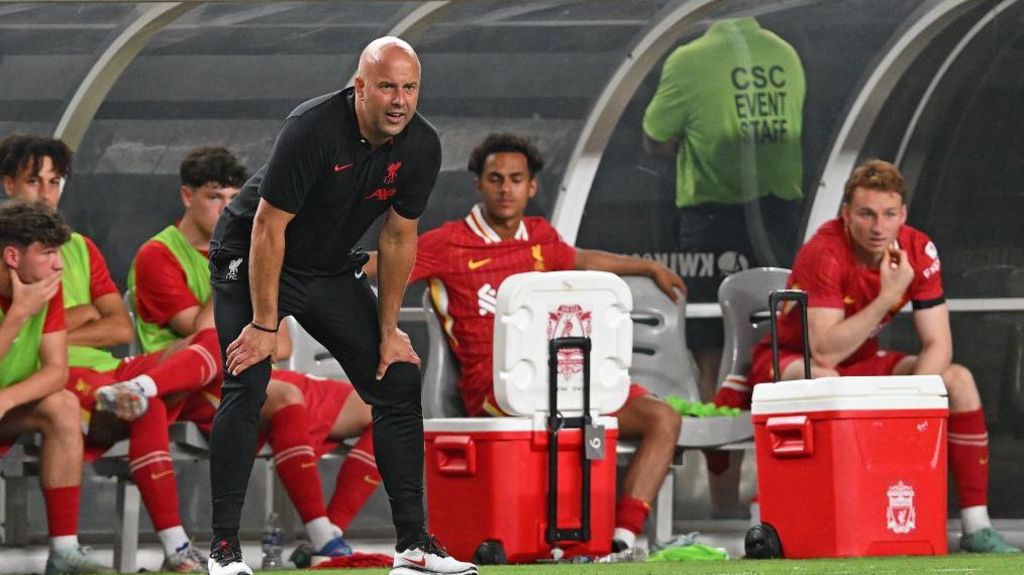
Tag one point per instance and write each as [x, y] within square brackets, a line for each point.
[744, 300]
[135, 345]
[308, 356]
[440, 391]
[661, 362]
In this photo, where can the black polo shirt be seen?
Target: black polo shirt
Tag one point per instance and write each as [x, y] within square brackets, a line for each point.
[323, 171]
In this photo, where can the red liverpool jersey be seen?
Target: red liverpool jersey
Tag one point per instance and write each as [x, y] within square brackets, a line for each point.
[465, 262]
[826, 269]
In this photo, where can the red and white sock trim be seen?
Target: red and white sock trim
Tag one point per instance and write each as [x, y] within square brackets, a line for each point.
[736, 383]
[211, 364]
[149, 459]
[292, 452]
[973, 439]
[360, 455]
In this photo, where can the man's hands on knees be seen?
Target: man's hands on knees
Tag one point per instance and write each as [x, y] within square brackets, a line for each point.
[251, 347]
[395, 347]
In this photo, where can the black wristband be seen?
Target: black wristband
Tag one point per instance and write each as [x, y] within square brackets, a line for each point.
[263, 328]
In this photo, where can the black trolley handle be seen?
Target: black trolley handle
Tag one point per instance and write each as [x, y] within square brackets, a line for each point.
[557, 422]
[800, 297]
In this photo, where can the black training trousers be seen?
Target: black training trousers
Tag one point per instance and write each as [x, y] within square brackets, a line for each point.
[340, 312]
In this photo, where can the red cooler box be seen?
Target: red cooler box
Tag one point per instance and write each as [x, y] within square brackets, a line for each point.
[487, 481]
[488, 478]
[853, 466]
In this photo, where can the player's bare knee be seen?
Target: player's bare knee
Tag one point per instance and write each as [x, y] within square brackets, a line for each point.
[668, 421]
[795, 370]
[281, 394]
[363, 415]
[959, 382]
[59, 413]
[957, 375]
[658, 421]
[822, 371]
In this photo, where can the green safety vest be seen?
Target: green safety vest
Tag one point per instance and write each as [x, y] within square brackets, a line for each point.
[76, 283]
[734, 99]
[22, 358]
[197, 275]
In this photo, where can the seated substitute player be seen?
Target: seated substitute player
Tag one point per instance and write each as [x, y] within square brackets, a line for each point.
[858, 271]
[96, 319]
[170, 282]
[33, 367]
[498, 241]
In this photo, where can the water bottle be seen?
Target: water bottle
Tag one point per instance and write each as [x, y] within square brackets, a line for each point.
[272, 542]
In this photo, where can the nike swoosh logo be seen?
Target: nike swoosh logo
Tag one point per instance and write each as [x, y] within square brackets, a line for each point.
[340, 168]
[371, 480]
[360, 273]
[165, 473]
[308, 464]
[477, 264]
[422, 562]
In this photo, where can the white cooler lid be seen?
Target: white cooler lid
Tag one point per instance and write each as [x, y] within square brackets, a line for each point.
[891, 392]
[484, 424]
[534, 308]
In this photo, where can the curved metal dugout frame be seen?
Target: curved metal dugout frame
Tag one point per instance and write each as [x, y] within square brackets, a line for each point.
[922, 26]
[413, 24]
[82, 107]
[912, 173]
[607, 109]
[115, 59]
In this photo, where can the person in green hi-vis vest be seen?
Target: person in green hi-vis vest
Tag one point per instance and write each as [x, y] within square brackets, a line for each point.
[148, 391]
[729, 109]
[33, 367]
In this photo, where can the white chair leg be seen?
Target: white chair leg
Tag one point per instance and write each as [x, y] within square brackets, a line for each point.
[126, 531]
[660, 526]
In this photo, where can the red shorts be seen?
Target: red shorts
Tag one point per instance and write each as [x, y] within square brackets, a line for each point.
[490, 404]
[761, 371]
[84, 382]
[200, 407]
[324, 400]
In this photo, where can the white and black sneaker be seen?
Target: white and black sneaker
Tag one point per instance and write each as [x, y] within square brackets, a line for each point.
[226, 559]
[428, 557]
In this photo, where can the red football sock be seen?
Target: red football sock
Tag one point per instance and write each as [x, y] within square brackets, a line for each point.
[152, 468]
[968, 457]
[296, 461]
[734, 392]
[191, 368]
[630, 513]
[62, 510]
[357, 479]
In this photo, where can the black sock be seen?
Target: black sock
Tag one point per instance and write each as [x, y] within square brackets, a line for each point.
[231, 538]
[409, 534]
